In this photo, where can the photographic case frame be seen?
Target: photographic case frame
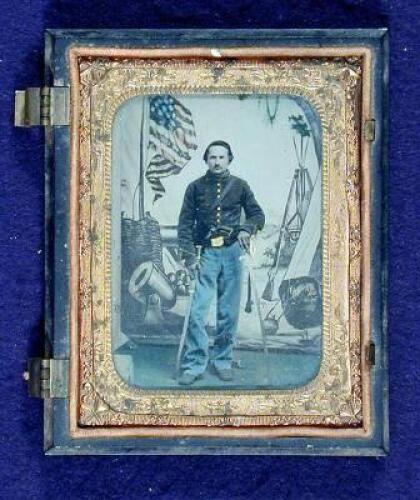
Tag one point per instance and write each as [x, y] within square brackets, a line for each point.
[344, 79]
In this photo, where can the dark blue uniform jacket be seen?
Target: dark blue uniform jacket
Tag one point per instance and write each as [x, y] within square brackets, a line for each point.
[214, 201]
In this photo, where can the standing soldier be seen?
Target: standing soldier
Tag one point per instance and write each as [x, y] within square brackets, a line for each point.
[210, 217]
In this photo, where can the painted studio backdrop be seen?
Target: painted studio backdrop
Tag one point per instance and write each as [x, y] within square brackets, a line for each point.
[276, 143]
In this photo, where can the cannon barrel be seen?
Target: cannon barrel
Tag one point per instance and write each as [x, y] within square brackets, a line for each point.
[148, 279]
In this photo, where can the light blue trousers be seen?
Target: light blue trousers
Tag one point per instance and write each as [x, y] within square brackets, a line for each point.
[220, 272]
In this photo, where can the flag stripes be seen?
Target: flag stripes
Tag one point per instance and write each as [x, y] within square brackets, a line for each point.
[171, 139]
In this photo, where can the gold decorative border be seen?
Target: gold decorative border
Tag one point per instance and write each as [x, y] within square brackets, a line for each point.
[337, 84]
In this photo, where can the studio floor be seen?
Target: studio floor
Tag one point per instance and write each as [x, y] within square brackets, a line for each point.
[153, 367]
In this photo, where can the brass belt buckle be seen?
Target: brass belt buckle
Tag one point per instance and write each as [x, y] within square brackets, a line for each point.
[217, 241]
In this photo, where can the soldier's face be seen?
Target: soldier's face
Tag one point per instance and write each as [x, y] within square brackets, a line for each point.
[218, 159]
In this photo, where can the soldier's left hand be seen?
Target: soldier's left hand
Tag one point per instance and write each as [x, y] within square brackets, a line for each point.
[244, 240]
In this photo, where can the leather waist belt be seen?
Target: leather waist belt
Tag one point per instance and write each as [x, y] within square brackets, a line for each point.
[219, 242]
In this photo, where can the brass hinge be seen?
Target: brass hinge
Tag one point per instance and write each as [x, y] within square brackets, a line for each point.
[45, 106]
[371, 354]
[47, 378]
[369, 130]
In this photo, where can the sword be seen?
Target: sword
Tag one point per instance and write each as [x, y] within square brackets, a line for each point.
[187, 315]
[248, 305]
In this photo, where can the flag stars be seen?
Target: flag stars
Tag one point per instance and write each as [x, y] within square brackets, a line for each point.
[162, 111]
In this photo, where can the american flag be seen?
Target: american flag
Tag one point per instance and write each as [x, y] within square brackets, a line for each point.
[171, 138]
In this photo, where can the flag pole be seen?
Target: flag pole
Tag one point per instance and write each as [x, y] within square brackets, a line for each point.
[142, 160]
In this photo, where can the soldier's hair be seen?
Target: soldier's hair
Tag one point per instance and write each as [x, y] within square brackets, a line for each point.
[218, 143]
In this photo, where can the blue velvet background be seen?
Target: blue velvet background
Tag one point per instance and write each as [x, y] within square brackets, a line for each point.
[25, 472]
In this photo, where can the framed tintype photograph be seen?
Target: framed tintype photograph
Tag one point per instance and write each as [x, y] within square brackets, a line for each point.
[215, 223]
